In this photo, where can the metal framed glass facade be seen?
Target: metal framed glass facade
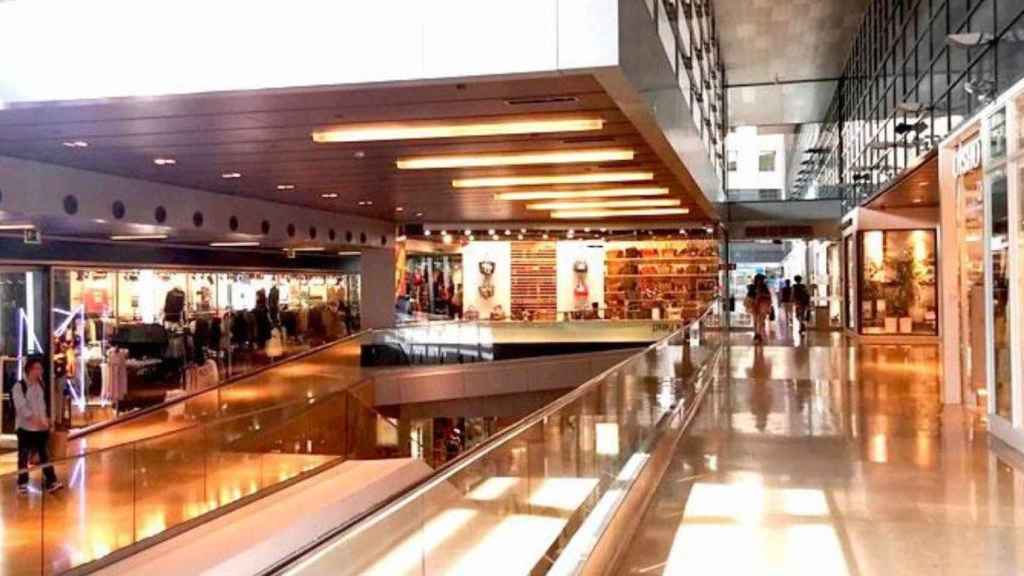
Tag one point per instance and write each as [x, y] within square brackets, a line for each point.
[918, 69]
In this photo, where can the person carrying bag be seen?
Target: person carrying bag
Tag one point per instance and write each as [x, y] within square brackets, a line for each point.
[33, 426]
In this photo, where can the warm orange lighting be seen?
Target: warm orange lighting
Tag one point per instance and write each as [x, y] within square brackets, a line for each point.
[129, 237]
[578, 214]
[577, 194]
[584, 178]
[421, 129]
[515, 158]
[645, 203]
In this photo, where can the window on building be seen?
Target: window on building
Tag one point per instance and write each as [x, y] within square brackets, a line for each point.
[766, 161]
[731, 160]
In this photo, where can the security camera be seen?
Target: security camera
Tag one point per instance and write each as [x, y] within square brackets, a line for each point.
[970, 39]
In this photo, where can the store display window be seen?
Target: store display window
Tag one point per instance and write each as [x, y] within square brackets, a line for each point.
[430, 287]
[128, 338]
[898, 290]
[667, 280]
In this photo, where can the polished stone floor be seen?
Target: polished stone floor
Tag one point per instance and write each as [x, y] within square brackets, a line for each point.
[827, 457]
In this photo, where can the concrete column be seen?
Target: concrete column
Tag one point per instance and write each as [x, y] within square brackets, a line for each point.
[377, 297]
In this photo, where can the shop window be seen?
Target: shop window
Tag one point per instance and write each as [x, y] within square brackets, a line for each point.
[70, 205]
[766, 161]
[160, 214]
[898, 282]
[118, 210]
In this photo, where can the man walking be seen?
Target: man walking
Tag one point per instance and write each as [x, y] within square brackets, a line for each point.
[32, 426]
[802, 299]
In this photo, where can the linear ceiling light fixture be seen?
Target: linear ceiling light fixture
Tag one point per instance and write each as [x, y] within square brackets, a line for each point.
[578, 194]
[516, 158]
[645, 203]
[305, 249]
[129, 237]
[582, 214]
[583, 178]
[241, 244]
[9, 227]
[424, 129]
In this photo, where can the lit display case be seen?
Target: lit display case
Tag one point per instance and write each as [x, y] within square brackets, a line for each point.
[898, 293]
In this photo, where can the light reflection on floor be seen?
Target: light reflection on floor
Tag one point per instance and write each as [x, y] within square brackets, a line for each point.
[834, 458]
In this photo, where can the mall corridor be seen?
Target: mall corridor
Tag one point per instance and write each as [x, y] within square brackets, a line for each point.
[834, 459]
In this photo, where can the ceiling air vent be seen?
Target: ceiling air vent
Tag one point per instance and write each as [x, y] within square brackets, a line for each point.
[541, 100]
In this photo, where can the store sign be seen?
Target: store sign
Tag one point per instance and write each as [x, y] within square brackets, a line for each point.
[968, 157]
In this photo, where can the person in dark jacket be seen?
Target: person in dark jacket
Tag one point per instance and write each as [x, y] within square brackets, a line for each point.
[802, 299]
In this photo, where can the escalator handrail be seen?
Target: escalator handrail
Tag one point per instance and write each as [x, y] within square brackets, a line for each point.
[446, 471]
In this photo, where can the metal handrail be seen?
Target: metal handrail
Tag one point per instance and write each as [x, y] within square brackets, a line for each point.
[446, 471]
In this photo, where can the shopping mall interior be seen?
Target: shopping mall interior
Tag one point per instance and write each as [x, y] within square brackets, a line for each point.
[622, 287]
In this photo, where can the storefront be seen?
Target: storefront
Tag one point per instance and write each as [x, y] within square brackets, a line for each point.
[657, 277]
[891, 275]
[981, 170]
[120, 338]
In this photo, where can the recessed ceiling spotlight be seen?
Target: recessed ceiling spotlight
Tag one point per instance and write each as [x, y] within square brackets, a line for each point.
[918, 200]
[165, 161]
[494, 236]
[231, 175]
[586, 229]
[76, 144]
[329, 195]
[508, 232]
[446, 239]
[419, 214]
[427, 232]
[359, 154]
[468, 232]
[444, 232]
[399, 209]
[520, 236]
[522, 230]
[366, 202]
[491, 231]
[545, 236]
[286, 186]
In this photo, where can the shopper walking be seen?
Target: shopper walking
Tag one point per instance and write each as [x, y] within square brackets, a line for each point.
[802, 299]
[32, 426]
[762, 307]
[786, 303]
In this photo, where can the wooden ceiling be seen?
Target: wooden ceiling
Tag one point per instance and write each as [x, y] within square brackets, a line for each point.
[916, 189]
[265, 136]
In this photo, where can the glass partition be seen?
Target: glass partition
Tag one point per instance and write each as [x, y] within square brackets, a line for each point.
[898, 282]
[119, 496]
[525, 496]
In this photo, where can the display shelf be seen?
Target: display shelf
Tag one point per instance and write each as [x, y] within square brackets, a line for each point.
[704, 275]
[662, 259]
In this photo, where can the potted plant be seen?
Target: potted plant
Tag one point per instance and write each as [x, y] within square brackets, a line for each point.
[904, 290]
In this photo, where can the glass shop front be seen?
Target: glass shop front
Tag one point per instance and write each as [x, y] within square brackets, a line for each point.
[123, 339]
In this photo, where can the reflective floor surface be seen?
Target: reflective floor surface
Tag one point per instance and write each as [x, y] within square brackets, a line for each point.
[834, 459]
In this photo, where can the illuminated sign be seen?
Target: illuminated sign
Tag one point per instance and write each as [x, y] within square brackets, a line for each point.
[968, 157]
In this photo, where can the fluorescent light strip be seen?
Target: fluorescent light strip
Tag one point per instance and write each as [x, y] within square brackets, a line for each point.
[516, 159]
[305, 249]
[579, 214]
[6, 227]
[584, 178]
[127, 237]
[578, 194]
[645, 203]
[416, 130]
[242, 244]
[349, 253]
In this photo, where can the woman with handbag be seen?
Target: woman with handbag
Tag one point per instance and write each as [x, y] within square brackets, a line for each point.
[763, 311]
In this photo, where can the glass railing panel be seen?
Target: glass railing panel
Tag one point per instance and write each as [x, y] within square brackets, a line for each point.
[519, 500]
[171, 481]
[22, 517]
